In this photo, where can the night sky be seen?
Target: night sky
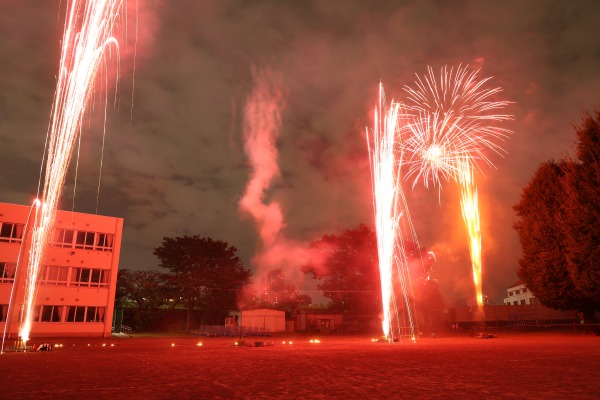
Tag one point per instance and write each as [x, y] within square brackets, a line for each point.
[174, 162]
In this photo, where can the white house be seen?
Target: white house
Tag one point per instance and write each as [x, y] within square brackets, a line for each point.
[519, 294]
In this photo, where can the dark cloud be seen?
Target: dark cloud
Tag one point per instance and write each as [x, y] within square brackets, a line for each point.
[174, 163]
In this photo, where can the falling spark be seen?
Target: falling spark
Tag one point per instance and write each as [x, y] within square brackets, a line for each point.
[390, 210]
[87, 35]
[450, 123]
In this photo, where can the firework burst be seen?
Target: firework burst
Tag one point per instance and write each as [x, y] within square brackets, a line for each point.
[450, 123]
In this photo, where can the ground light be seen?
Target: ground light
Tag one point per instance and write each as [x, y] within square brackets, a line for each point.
[251, 343]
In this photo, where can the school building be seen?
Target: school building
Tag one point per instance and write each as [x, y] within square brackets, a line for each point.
[77, 277]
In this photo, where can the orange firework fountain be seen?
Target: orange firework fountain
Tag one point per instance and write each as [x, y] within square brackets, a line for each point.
[87, 34]
[470, 212]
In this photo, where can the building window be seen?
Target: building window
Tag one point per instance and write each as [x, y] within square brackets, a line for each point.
[95, 314]
[48, 313]
[524, 290]
[532, 300]
[91, 277]
[3, 312]
[523, 301]
[7, 272]
[63, 237]
[10, 232]
[104, 241]
[85, 314]
[54, 275]
[76, 314]
[510, 293]
[517, 291]
[83, 240]
[515, 303]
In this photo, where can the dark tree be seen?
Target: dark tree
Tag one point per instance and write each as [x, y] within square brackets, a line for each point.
[559, 228]
[146, 291]
[430, 303]
[582, 214]
[207, 274]
[348, 270]
[543, 264]
[291, 298]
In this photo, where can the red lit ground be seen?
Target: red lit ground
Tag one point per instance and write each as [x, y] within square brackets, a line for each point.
[515, 366]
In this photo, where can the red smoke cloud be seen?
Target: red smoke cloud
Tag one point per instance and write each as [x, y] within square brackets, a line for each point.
[261, 128]
[262, 123]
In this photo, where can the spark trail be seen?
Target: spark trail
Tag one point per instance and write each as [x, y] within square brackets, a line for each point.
[470, 210]
[451, 123]
[391, 212]
[88, 33]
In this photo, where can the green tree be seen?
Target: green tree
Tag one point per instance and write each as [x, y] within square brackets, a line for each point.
[207, 274]
[559, 227]
[348, 270]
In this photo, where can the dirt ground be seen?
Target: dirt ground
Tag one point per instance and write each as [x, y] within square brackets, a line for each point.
[515, 366]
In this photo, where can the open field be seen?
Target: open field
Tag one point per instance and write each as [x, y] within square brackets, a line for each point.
[515, 366]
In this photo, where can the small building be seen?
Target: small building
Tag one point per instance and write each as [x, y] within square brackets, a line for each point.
[263, 320]
[518, 294]
[77, 278]
[318, 320]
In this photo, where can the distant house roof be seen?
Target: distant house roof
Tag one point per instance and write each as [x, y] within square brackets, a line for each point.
[517, 283]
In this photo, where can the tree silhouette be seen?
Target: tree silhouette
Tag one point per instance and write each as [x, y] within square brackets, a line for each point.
[207, 274]
[559, 227]
[348, 270]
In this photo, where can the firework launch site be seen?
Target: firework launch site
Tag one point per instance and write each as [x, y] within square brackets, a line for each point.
[545, 365]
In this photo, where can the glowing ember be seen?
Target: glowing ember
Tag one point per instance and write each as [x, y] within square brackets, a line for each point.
[450, 122]
[88, 32]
